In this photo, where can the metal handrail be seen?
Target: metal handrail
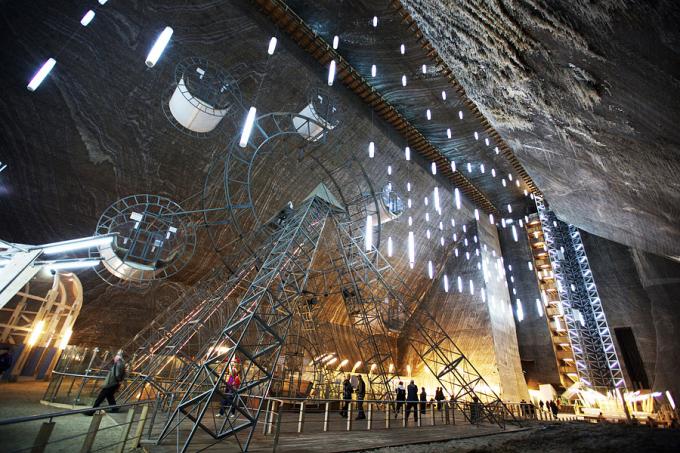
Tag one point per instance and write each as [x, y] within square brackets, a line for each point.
[51, 415]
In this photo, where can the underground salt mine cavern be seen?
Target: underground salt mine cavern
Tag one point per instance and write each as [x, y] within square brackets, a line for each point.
[332, 226]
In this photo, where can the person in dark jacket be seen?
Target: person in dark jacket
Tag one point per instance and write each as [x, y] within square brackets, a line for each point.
[5, 361]
[114, 379]
[475, 410]
[554, 409]
[361, 393]
[347, 391]
[423, 400]
[412, 400]
[439, 398]
[401, 397]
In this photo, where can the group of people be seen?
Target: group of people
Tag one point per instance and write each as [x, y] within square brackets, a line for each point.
[411, 399]
[347, 390]
[550, 406]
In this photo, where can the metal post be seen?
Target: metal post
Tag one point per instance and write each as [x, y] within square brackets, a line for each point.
[278, 431]
[92, 432]
[266, 417]
[349, 416]
[43, 437]
[433, 415]
[301, 417]
[447, 408]
[403, 416]
[388, 415]
[126, 430]
[370, 416]
[325, 416]
[140, 426]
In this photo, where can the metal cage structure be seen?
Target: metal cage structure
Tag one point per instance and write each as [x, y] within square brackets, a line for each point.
[596, 360]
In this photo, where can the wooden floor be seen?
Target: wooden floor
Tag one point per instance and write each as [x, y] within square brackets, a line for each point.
[337, 438]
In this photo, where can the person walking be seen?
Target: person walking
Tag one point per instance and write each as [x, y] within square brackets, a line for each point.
[423, 400]
[439, 398]
[401, 397]
[475, 410]
[230, 399]
[347, 391]
[554, 409]
[361, 393]
[114, 378]
[540, 404]
[412, 401]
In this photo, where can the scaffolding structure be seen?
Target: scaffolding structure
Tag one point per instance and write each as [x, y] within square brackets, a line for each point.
[597, 364]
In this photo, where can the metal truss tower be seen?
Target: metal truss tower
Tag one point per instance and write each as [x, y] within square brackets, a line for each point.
[255, 334]
[597, 364]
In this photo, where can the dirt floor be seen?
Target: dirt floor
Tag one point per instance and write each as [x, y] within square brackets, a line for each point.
[566, 437]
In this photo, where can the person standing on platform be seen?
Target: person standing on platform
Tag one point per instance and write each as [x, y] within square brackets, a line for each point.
[540, 404]
[5, 361]
[475, 410]
[347, 391]
[114, 378]
[361, 393]
[401, 397]
[554, 409]
[439, 398]
[233, 383]
[423, 400]
[412, 401]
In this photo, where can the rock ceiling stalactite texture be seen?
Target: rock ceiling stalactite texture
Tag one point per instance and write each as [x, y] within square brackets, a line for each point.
[584, 93]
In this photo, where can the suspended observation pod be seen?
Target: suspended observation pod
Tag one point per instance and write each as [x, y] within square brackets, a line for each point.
[153, 241]
[387, 206]
[203, 95]
[318, 117]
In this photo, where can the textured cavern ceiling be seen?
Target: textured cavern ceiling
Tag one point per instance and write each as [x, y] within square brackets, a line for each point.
[586, 95]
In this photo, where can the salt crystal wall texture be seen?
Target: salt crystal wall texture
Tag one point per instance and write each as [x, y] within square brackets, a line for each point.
[583, 92]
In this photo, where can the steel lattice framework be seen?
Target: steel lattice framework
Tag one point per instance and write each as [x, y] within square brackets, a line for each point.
[256, 333]
[596, 361]
[429, 340]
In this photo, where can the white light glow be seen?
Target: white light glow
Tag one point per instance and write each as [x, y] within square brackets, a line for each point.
[424, 69]
[433, 167]
[411, 249]
[448, 133]
[520, 311]
[456, 196]
[87, 18]
[491, 219]
[460, 284]
[493, 172]
[446, 284]
[103, 2]
[389, 246]
[410, 221]
[65, 339]
[436, 199]
[69, 246]
[469, 167]
[389, 170]
[407, 153]
[670, 399]
[158, 47]
[336, 41]
[460, 114]
[368, 237]
[331, 73]
[531, 266]
[514, 233]
[443, 95]
[428, 113]
[36, 332]
[403, 80]
[375, 21]
[539, 308]
[481, 168]
[497, 150]
[41, 74]
[453, 166]
[430, 270]
[371, 150]
[408, 186]
[476, 136]
[374, 70]
[72, 264]
[247, 127]
[472, 288]
[402, 49]
[272, 45]
[486, 141]
[509, 208]
[476, 214]
[503, 181]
